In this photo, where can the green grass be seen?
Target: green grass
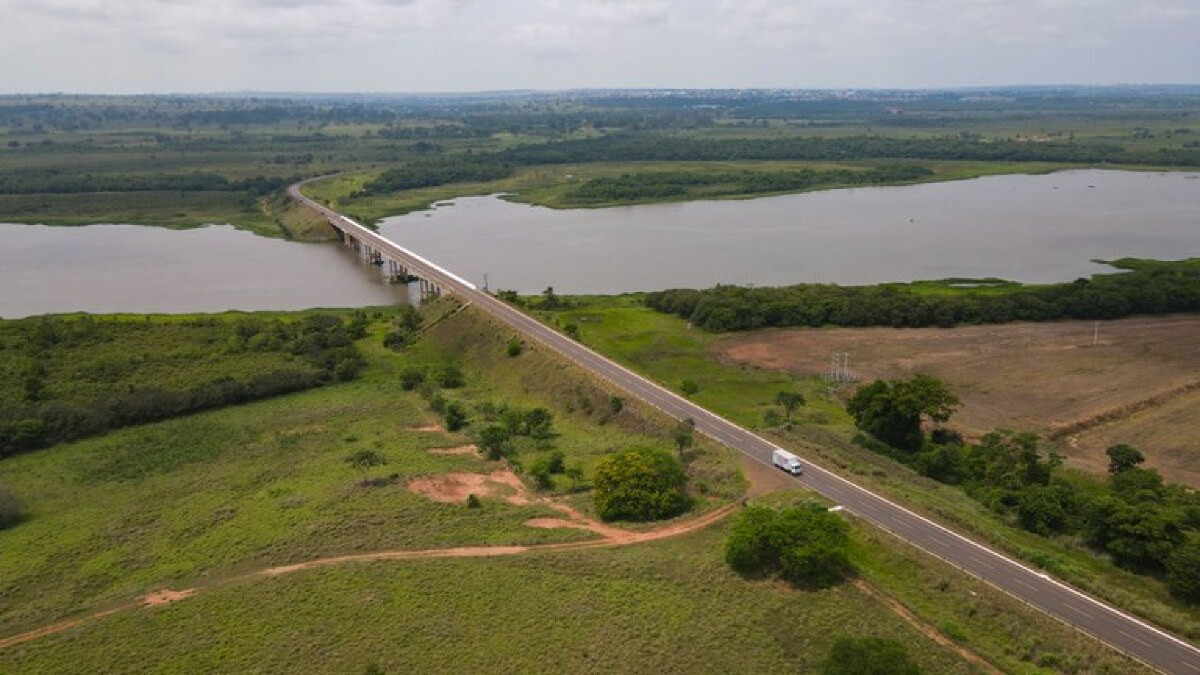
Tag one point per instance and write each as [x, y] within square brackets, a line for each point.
[164, 209]
[205, 498]
[205, 495]
[669, 607]
[667, 350]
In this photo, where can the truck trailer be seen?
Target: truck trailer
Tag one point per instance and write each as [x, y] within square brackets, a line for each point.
[788, 462]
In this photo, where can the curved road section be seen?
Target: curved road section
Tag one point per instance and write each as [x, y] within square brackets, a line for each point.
[1118, 629]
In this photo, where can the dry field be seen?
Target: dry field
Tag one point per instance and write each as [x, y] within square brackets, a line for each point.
[1140, 383]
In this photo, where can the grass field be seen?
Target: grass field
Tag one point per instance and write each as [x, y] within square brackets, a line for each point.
[667, 350]
[205, 500]
[1132, 386]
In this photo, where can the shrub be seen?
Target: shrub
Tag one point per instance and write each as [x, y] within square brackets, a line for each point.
[411, 378]
[455, 416]
[1183, 570]
[868, 656]
[539, 471]
[514, 347]
[491, 440]
[640, 484]
[10, 508]
[448, 376]
[689, 388]
[806, 545]
[473, 501]
[365, 459]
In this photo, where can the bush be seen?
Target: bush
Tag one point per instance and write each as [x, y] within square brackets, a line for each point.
[448, 376]
[1183, 570]
[473, 501]
[365, 459]
[492, 439]
[689, 388]
[640, 484]
[514, 347]
[10, 508]
[455, 416]
[806, 545]
[539, 471]
[868, 656]
[411, 378]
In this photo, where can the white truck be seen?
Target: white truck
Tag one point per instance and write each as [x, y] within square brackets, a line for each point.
[787, 461]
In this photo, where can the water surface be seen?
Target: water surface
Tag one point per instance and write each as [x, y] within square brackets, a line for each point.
[1027, 228]
[133, 268]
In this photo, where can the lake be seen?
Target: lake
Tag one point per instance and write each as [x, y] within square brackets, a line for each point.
[1027, 228]
[132, 268]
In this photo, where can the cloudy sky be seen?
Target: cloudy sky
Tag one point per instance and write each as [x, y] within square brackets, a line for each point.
[129, 46]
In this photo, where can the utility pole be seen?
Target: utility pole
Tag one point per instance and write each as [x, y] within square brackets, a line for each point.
[485, 285]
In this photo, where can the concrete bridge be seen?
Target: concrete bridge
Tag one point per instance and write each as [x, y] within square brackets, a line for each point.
[1122, 631]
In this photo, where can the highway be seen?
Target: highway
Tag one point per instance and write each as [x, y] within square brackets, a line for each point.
[1120, 630]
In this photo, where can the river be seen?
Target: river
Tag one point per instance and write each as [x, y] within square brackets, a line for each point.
[1028, 228]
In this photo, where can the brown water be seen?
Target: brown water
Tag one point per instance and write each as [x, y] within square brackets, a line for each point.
[131, 268]
[1026, 228]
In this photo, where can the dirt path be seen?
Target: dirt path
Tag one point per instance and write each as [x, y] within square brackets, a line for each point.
[612, 537]
[925, 629]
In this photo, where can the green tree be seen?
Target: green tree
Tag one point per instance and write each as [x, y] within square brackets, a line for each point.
[868, 656]
[684, 435]
[455, 416]
[806, 545]
[10, 508]
[689, 388]
[411, 378]
[1122, 458]
[572, 331]
[1183, 569]
[574, 473]
[491, 440]
[789, 401]
[639, 484]
[893, 411]
[550, 299]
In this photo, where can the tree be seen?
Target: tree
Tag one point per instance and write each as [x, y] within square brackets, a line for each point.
[689, 388]
[550, 299]
[491, 440]
[868, 656]
[893, 411]
[789, 401]
[572, 331]
[1122, 458]
[639, 484]
[10, 508]
[684, 435]
[806, 545]
[411, 378]
[455, 416]
[1183, 569]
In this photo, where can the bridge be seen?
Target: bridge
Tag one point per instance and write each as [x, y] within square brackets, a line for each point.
[1120, 630]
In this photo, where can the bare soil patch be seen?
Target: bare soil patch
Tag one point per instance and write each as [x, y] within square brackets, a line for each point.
[428, 427]
[764, 478]
[452, 488]
[456, 450]
[166, 597]
[1042, 377]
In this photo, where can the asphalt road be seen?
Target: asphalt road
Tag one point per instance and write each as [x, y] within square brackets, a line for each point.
[1131, 635]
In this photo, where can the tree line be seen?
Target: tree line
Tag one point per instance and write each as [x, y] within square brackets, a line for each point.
[658, 184]
[1141, 522]
[324, 343]
[1146, 288]
[626, 147]
[57, 181]
[439, 171]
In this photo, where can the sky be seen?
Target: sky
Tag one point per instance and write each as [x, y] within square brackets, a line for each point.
[159, 46]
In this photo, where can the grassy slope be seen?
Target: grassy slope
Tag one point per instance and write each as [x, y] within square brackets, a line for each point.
[665, 349]
[194, 500]
[669, 607]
